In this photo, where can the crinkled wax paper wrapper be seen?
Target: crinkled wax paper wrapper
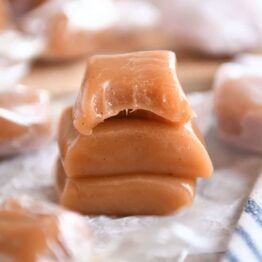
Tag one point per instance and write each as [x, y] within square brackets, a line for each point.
[203, 228]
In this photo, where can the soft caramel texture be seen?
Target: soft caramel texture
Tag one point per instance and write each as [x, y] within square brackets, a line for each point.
[25, 120]
[34, 231]
[130, 145]
[141, 80]
[24, 237]
[130, 194]
[24, 234]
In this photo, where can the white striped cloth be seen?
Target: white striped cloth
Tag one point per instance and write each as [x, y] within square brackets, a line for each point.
[246, 243]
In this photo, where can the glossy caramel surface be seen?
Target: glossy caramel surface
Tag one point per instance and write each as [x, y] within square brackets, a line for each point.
[121, 195]
[140, 80]
[132, 145]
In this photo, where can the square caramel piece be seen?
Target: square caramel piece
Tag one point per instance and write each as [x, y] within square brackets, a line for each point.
[32, 230]
[140, 80]
[141, 193]
[238, 103]
[132, 145]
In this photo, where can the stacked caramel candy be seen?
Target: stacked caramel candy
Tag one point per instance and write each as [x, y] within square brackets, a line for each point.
[129, 146]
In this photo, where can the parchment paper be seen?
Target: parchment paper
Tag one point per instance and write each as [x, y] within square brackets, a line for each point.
[203, 228]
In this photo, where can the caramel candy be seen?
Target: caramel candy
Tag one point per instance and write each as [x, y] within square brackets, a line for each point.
[129, 194]
[25, 120]
[36, 231]
[4, 14]
[61, 41]
[71, 29]
[238, 103]
[141, 80]
[76, 28]
[130, 145]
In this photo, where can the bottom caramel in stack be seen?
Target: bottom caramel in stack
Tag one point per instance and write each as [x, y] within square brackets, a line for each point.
[128, 147]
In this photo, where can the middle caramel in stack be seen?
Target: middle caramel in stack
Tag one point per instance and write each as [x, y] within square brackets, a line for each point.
[129, 147]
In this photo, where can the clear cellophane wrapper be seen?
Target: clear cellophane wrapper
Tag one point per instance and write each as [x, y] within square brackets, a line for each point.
[17, 50]
[25, 119]
[93, 26]
[240, 114]
[108, 26]
[213, 27]
[51, 30]
[65, 234]
[197, 232]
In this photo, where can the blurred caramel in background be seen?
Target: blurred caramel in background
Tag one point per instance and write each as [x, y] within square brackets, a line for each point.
[65, 32]
[44, 44]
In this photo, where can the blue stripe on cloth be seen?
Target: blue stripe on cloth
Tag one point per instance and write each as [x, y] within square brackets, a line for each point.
[254, 210]
[229, 256]
[246, 237]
